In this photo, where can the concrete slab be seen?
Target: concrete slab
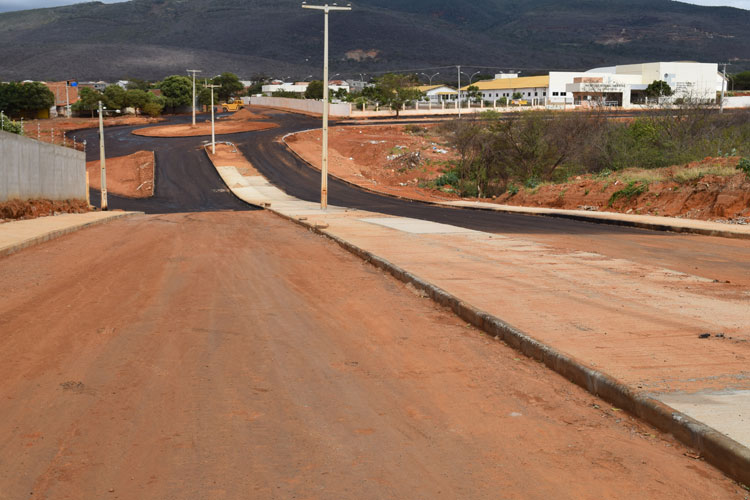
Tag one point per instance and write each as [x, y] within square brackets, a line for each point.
[17, 235]
[416, 226]
[726, 411]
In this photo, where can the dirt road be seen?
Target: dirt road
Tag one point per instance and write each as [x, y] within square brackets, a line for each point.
[234, 355]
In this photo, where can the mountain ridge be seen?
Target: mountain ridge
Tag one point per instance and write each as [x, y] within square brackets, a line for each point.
[153, 38]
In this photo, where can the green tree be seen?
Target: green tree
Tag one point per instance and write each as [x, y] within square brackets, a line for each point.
[137, 99]
[16, 98]
[177, 91]
[154, 106]
[517, 95]
[314, 90]
[658, 89]
[88, 100]
[396, 90]
[740, 81]
[230, 86]
[138, 84]
[473, 93]
[115, 97]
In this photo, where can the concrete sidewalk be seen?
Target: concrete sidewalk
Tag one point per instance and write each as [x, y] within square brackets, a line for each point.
[17, 235]
[632, 334]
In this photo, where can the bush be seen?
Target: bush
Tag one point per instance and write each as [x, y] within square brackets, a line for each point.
[628, 192]
[9, 125]
[744, 165]
[448, 178]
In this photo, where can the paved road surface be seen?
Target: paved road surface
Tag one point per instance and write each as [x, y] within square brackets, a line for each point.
[186, 182]
[233, 356]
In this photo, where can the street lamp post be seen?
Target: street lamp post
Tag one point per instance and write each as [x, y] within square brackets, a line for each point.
[324, 167]
[430, 77]
[102, 159]
[194, 71]
[213, 129]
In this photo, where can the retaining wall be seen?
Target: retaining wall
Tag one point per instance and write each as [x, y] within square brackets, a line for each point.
[31, 169]
[737, 102]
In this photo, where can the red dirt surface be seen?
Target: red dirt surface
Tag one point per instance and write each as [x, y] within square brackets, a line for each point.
[31, 209]
[229, 155]
[246, 114]
[367, 156]
[204, 129]
[131, 176]
[364, 156]
[217, 363]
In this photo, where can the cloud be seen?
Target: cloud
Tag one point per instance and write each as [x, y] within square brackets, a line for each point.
[9, 5]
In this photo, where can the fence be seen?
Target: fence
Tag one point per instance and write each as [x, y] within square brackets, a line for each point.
[31, 169]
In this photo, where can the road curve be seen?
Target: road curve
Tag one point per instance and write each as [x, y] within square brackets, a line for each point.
[187, 182]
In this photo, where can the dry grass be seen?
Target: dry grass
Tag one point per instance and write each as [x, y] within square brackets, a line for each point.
[695, 173]
[643, 176]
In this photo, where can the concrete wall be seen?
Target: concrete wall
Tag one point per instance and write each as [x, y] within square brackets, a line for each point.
[305, 105]
[31, 169]
[737, 102]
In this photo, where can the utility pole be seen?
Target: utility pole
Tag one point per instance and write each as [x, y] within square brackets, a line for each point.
[213, 129]
[723, 86]
[102, 160]
[67, 100]
[324, 167]
[459, 90]
[194, 71]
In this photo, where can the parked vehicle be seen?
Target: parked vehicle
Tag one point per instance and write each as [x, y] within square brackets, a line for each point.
[232, 106]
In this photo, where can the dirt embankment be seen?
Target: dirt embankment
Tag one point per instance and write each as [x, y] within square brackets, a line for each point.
[31, 209]
[386, 158]
[242, 121]
[131, 176]
[405, 160]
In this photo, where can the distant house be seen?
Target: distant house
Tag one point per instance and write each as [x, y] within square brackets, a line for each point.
[100, 85]
[437, 94]
[533, 89]
[65, 95]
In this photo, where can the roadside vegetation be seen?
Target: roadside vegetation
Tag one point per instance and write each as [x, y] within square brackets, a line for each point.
[502, 153]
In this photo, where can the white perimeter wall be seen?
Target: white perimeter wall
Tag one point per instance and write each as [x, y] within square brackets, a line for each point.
[737, 102]
[305, 105]
[31, 169]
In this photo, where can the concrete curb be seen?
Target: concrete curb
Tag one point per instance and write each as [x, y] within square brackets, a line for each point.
[719, 450]
[653, 226]
[60, 232]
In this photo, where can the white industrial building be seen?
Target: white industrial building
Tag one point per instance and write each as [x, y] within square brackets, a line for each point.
[301, 87]
[614, 86]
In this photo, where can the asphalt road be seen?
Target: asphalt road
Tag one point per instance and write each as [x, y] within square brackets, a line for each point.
[187, 182]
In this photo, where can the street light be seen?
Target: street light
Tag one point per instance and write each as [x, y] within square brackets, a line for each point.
[194, 71]
[213, 129]
[324, 167]
[102, 159]
[430, 77]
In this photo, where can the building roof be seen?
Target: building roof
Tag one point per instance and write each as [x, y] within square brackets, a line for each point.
[526, 82]
[428, 88]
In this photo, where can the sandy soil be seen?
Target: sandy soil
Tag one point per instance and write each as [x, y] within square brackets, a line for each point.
[220, 364]
[202, 129]
[31, 209]
[131, 176]
[369, 157]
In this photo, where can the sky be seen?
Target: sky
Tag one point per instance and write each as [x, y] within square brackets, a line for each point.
[8, 5]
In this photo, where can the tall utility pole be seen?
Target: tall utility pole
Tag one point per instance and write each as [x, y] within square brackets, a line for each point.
[324, 167]
[213, 129]
[459, 90]
[193, 71]
[102, 160]
[67, 100]
[723, 86]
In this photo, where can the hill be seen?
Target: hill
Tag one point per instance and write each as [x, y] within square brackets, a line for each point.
[153, 38]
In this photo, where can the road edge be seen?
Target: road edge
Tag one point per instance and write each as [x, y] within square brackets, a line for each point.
[719, 450]
[51, 235]
[653, 226]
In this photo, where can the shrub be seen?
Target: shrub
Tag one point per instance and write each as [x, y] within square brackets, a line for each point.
[629, 191]
[448, 178]
[744, 165]
[9, 125]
